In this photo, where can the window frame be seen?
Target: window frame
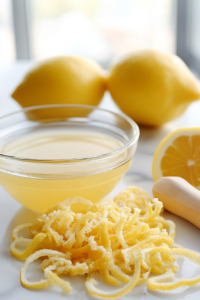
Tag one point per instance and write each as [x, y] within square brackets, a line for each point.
[182, 32]
[21, 27]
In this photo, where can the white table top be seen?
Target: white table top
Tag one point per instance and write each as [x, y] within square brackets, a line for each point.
[12, 213]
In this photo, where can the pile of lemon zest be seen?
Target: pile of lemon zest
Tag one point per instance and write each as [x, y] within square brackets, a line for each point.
[125, 241]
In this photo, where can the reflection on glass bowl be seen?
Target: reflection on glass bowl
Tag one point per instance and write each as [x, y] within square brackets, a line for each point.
[39, 182]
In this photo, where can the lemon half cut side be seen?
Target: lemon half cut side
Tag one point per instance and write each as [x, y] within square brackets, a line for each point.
[178, 154]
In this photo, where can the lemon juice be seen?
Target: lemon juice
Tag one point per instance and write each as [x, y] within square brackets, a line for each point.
[70, 164]
[61, 144]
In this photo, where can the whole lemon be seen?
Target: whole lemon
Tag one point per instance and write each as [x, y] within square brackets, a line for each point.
[152, 87]
[62, 80]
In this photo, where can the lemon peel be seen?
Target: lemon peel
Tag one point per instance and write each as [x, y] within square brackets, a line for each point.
[109, 279]
[44, 282]
[55, 280]
[152, 87]
[19, 228]
[162, 282]
[90, 285]
[32, 246]
[62, 80]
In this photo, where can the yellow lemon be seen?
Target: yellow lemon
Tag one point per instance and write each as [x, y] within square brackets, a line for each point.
[152, 87]
[178, 154]
[62, 80]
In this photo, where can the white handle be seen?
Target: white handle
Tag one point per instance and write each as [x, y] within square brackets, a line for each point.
[179, 197]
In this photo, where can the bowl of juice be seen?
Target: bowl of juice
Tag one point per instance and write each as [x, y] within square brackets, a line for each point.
[53, 152]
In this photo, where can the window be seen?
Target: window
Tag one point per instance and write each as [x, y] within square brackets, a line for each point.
[102, 29]
[99, 29]
[7, 45]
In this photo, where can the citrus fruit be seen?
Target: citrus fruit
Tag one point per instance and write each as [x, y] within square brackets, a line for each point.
[62, 80]
[152, 87]
[178, 154]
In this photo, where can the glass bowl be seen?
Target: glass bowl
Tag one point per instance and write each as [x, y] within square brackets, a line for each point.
[38, 184]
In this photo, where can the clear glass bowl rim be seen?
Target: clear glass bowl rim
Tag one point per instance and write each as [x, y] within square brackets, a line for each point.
[80, 159]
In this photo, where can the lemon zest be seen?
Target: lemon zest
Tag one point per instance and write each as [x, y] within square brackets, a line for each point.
[124, 240]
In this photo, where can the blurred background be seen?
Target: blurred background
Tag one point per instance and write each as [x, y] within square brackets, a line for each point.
[99, 29]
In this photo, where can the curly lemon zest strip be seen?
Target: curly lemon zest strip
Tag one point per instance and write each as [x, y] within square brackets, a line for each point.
[53, 279]
[118, 274]
[162, 282]
[120, 224]
[90, 285]
[38, 284]
[32, 245]
[19, 228]
[186, 253]
[109, 279]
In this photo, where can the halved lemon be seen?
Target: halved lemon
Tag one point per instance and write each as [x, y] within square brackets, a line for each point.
[178, 154]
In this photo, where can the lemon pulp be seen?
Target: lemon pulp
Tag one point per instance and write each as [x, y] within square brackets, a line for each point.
[178, 154]
[182, 159]
[39, 193]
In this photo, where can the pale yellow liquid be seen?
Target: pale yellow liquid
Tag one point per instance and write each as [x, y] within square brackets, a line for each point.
[39, 194]
[61, 144]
